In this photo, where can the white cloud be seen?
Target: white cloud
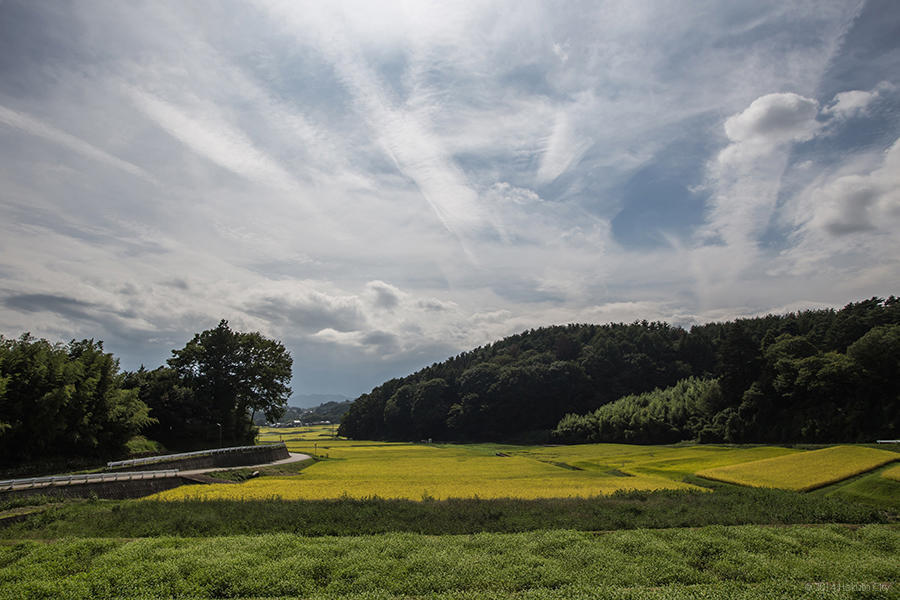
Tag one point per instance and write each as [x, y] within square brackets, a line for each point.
[564, 147]
[858, 202]
[383, 295]
[774, 117]
[214, 139]
[746, 175]
[628, 312]
[769, 121]
[503, 192]
[435, 305]
[561, 50]
[854, 103]
[40, 129]
[848, 104]
[403, 133]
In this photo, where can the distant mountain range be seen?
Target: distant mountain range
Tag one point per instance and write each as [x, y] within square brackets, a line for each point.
[314, 400]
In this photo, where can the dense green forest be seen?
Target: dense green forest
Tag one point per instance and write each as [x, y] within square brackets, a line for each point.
[64, 399]
[71, 400]
[818, 375]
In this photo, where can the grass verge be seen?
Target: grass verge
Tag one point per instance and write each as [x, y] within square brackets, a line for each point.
[727, 505]
[870, 489]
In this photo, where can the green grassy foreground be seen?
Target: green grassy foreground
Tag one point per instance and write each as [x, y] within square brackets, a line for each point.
[717, 561]
[727, 505]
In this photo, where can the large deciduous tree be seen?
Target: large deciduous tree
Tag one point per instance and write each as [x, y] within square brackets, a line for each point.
[233, 375]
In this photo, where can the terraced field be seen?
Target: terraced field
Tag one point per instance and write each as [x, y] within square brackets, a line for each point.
[892, 473]
[352, 469]
[419, 472]
[803, 471]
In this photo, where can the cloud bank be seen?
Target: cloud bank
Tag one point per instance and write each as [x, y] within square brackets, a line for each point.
[382, 186]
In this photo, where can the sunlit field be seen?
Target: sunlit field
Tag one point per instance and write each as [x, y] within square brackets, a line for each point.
[665, 461]
[892, 473]
[417, 472]
[420, 471]
[804, 471]
[357, 469]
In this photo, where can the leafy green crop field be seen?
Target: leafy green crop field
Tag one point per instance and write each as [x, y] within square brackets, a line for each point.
[720, 562]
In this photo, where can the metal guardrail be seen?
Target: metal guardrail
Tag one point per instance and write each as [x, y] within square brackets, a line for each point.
[183, 455]
[37, 482]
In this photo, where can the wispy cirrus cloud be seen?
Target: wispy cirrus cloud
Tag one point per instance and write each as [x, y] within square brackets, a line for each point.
[382, 185]
[215, 140]
[57, 136]
[400, 130]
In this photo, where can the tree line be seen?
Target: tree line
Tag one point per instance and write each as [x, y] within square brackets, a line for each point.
[73, 400]
[817, 375]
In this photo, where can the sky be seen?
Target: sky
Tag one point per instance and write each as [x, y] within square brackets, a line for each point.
[382, 185]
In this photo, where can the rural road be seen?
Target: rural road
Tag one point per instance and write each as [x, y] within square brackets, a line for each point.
[294, 457]
[13, 485]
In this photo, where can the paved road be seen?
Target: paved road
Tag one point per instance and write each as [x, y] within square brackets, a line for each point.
[294, 457]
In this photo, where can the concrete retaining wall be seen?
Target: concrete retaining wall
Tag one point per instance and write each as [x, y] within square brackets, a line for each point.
[116, 490]
[255, 455]
[137, 488]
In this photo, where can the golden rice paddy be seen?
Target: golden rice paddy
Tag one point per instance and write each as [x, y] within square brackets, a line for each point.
[892, 473]
[365, 469]
[419, 472]
[803, 471]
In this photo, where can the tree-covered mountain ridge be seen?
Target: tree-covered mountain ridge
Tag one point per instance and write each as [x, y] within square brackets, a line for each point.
[815, 375]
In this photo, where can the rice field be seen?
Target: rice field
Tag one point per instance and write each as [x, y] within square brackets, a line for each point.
[420, 471]
[354, 469]
[803, 471]
[892, 473]
[666, 461]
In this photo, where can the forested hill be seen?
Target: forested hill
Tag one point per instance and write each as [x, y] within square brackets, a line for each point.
[773, 367]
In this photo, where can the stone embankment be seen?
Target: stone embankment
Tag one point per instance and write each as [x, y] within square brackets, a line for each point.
[156, 474]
